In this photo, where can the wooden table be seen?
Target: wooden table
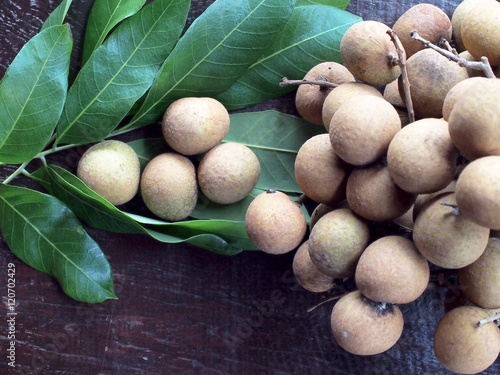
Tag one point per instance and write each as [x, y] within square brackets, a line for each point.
[184, 310]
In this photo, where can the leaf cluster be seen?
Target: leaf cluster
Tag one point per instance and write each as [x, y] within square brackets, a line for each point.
[136, 61]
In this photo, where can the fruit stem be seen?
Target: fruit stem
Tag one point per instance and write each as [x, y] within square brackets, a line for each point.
[295, 82]
[456, 210]
[331, 298]
[495, 318]
[404, 74]
[483, 65]
[16, 172]
[300, 200]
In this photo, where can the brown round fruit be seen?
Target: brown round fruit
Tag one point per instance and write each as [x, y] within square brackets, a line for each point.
[369, 53]
[431, 76]
[274, 223]
[192, 126]
[307, 274]
[463, 347]
[445, 237]
[309, 98]
[392, 270]
[319, 172]
[422, 199]
[480, 281]
[373, 194]
[337, 241]
[340, 95]
[461, 88]
[362, 128]
[421, 157]
[391, 94]
[168, 186]
[478, 191]
[228, 173]
[428, 20]
[481, 32]
[364, 327]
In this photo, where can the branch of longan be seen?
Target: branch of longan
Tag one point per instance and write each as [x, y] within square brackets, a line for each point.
[323, 83]
[404, 74]
[483, 65]
[17, 172]
[443, 43]
[492, 319]
[300, 200]
[326, 300]
[455, 211]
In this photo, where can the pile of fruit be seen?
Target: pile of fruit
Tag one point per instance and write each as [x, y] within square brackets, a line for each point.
[438, 177]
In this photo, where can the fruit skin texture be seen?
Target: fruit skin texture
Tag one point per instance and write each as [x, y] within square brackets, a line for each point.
[474, 121]
[363, 327]
[392, 270]
[192, 126]
[319, 172]
[228, 173]
[112, 170]
[362, 128]
[428, 20]
[480, 281]
[340, 95]
[461, 88]
[478, 191]
[309, 99]
[458, 17]
[168, 186]
[463, 347]
[422, 157]
[431, 76]
[274, 223]
[337, 241]
[373, 194]
[366, 50]
[306, 273]
[481, 32]
[446, 239]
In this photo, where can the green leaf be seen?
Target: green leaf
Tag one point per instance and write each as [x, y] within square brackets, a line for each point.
[105, 15]
[276, 139]
[214, 52]
[341, 4]
[32, 94]
[57, 17]
[312, 35]
[46, 235]
[120, 71]
[221, 236]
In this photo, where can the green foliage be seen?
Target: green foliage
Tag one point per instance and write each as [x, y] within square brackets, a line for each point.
[58, 15]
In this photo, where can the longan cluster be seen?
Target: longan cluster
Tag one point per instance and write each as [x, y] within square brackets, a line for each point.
[438, 176]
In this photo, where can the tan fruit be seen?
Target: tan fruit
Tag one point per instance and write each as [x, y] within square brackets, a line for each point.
[364, 327]
[228, 173]
[422, 199]
[362, 128]
[480, 281]
[463, 347]
[322, 209]
[168, 186]
[337, 241]
[431, 76]
[392, 270]
[307, 274]
[192, 126]
[391, 94]
[478, 191]
[340, 95]
[369, 53]
[447, 238]
[461, 88]
[274, 223]
[373, 194]
[474, 121]
[422, 157]
[112, 170]
[309, 98]
[458, 17]
[481, 32]
[428, 20]
[406, 220]
[319, 172]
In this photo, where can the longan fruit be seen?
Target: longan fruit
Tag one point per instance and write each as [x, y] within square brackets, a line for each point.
[307, 274]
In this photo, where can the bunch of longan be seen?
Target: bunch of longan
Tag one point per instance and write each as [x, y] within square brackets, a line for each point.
[438, 177]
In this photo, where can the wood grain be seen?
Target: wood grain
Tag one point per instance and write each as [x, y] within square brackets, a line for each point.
[184, 310]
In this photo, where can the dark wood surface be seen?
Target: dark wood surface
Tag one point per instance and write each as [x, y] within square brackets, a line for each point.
[184, 310]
